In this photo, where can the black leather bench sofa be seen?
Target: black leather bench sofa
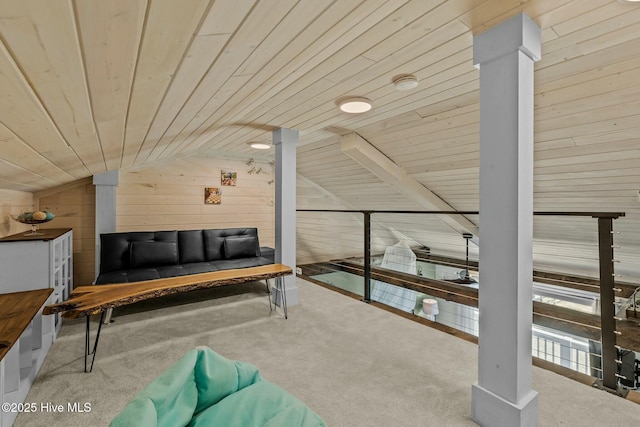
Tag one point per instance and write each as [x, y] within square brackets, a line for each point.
[147, 255]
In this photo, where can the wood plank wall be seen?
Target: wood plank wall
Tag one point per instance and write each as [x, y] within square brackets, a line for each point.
[168, 197]
[324, 236]
[12, 203]
[171, 197]
[74, 207]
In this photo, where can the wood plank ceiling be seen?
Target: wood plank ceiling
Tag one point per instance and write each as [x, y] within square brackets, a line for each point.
[89, 86]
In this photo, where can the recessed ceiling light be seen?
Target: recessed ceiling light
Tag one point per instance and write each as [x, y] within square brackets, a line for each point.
[405, 82]
[630, 1]
[259, 145]
[355, 105]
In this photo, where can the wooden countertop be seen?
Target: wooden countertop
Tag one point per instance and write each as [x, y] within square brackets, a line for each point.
[94, 299]
[44, 234]
[17, 310]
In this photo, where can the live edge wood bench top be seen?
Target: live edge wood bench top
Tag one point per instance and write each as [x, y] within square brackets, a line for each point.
[94, 299]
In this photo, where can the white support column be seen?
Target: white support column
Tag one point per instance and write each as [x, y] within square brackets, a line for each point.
[285, 141]
[106, 184]
[505, 55]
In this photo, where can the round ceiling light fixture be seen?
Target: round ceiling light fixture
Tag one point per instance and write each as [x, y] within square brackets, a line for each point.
[355, 105]
[405, 82]
[259, 145]
[634, 2]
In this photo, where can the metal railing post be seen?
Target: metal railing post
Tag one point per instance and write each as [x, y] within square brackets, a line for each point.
[367, 256]
[607, 307]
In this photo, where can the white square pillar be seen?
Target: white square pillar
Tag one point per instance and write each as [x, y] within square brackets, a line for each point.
[106, 184]
[285, 141]
[505, 55]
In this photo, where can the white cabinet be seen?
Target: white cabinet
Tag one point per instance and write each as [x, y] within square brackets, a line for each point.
[35, 262]
[31, 267]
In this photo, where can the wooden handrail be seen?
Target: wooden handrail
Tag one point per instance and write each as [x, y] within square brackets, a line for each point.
[581, 324]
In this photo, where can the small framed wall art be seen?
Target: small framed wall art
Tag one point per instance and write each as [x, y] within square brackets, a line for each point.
[212, 196]
[228, 178]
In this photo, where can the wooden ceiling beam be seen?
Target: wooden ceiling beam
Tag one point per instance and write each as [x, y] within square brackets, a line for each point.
[360, 150]
[349, 205]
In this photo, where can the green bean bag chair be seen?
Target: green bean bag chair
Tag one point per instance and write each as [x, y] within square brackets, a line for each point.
[206, 389]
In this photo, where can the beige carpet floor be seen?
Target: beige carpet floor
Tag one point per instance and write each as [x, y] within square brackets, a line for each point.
[354, 364]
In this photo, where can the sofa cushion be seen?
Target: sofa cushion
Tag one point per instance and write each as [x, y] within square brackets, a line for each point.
[228, 264]
[142, 274]
[128, 276]
[171, 271]
[199, 267]
[119, 276]
[115, 247]
[241, 247]
[191, 245]
[150, 254]
[214, 240]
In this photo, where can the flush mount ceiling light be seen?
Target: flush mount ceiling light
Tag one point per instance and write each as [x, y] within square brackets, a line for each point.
[259, 145]
[405, 82]
[355, 105]
[630, 1]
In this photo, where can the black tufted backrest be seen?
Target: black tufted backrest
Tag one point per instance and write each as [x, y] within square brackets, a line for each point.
[119, 250]
[115, 248]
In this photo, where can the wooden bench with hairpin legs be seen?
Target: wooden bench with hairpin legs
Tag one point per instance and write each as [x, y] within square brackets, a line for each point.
[85, 301]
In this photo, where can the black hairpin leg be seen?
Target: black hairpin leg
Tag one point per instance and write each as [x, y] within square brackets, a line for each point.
[88, 353]
[269, 294]
[283, 294]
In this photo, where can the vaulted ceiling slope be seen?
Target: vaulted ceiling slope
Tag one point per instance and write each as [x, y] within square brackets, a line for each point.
[89, 86]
